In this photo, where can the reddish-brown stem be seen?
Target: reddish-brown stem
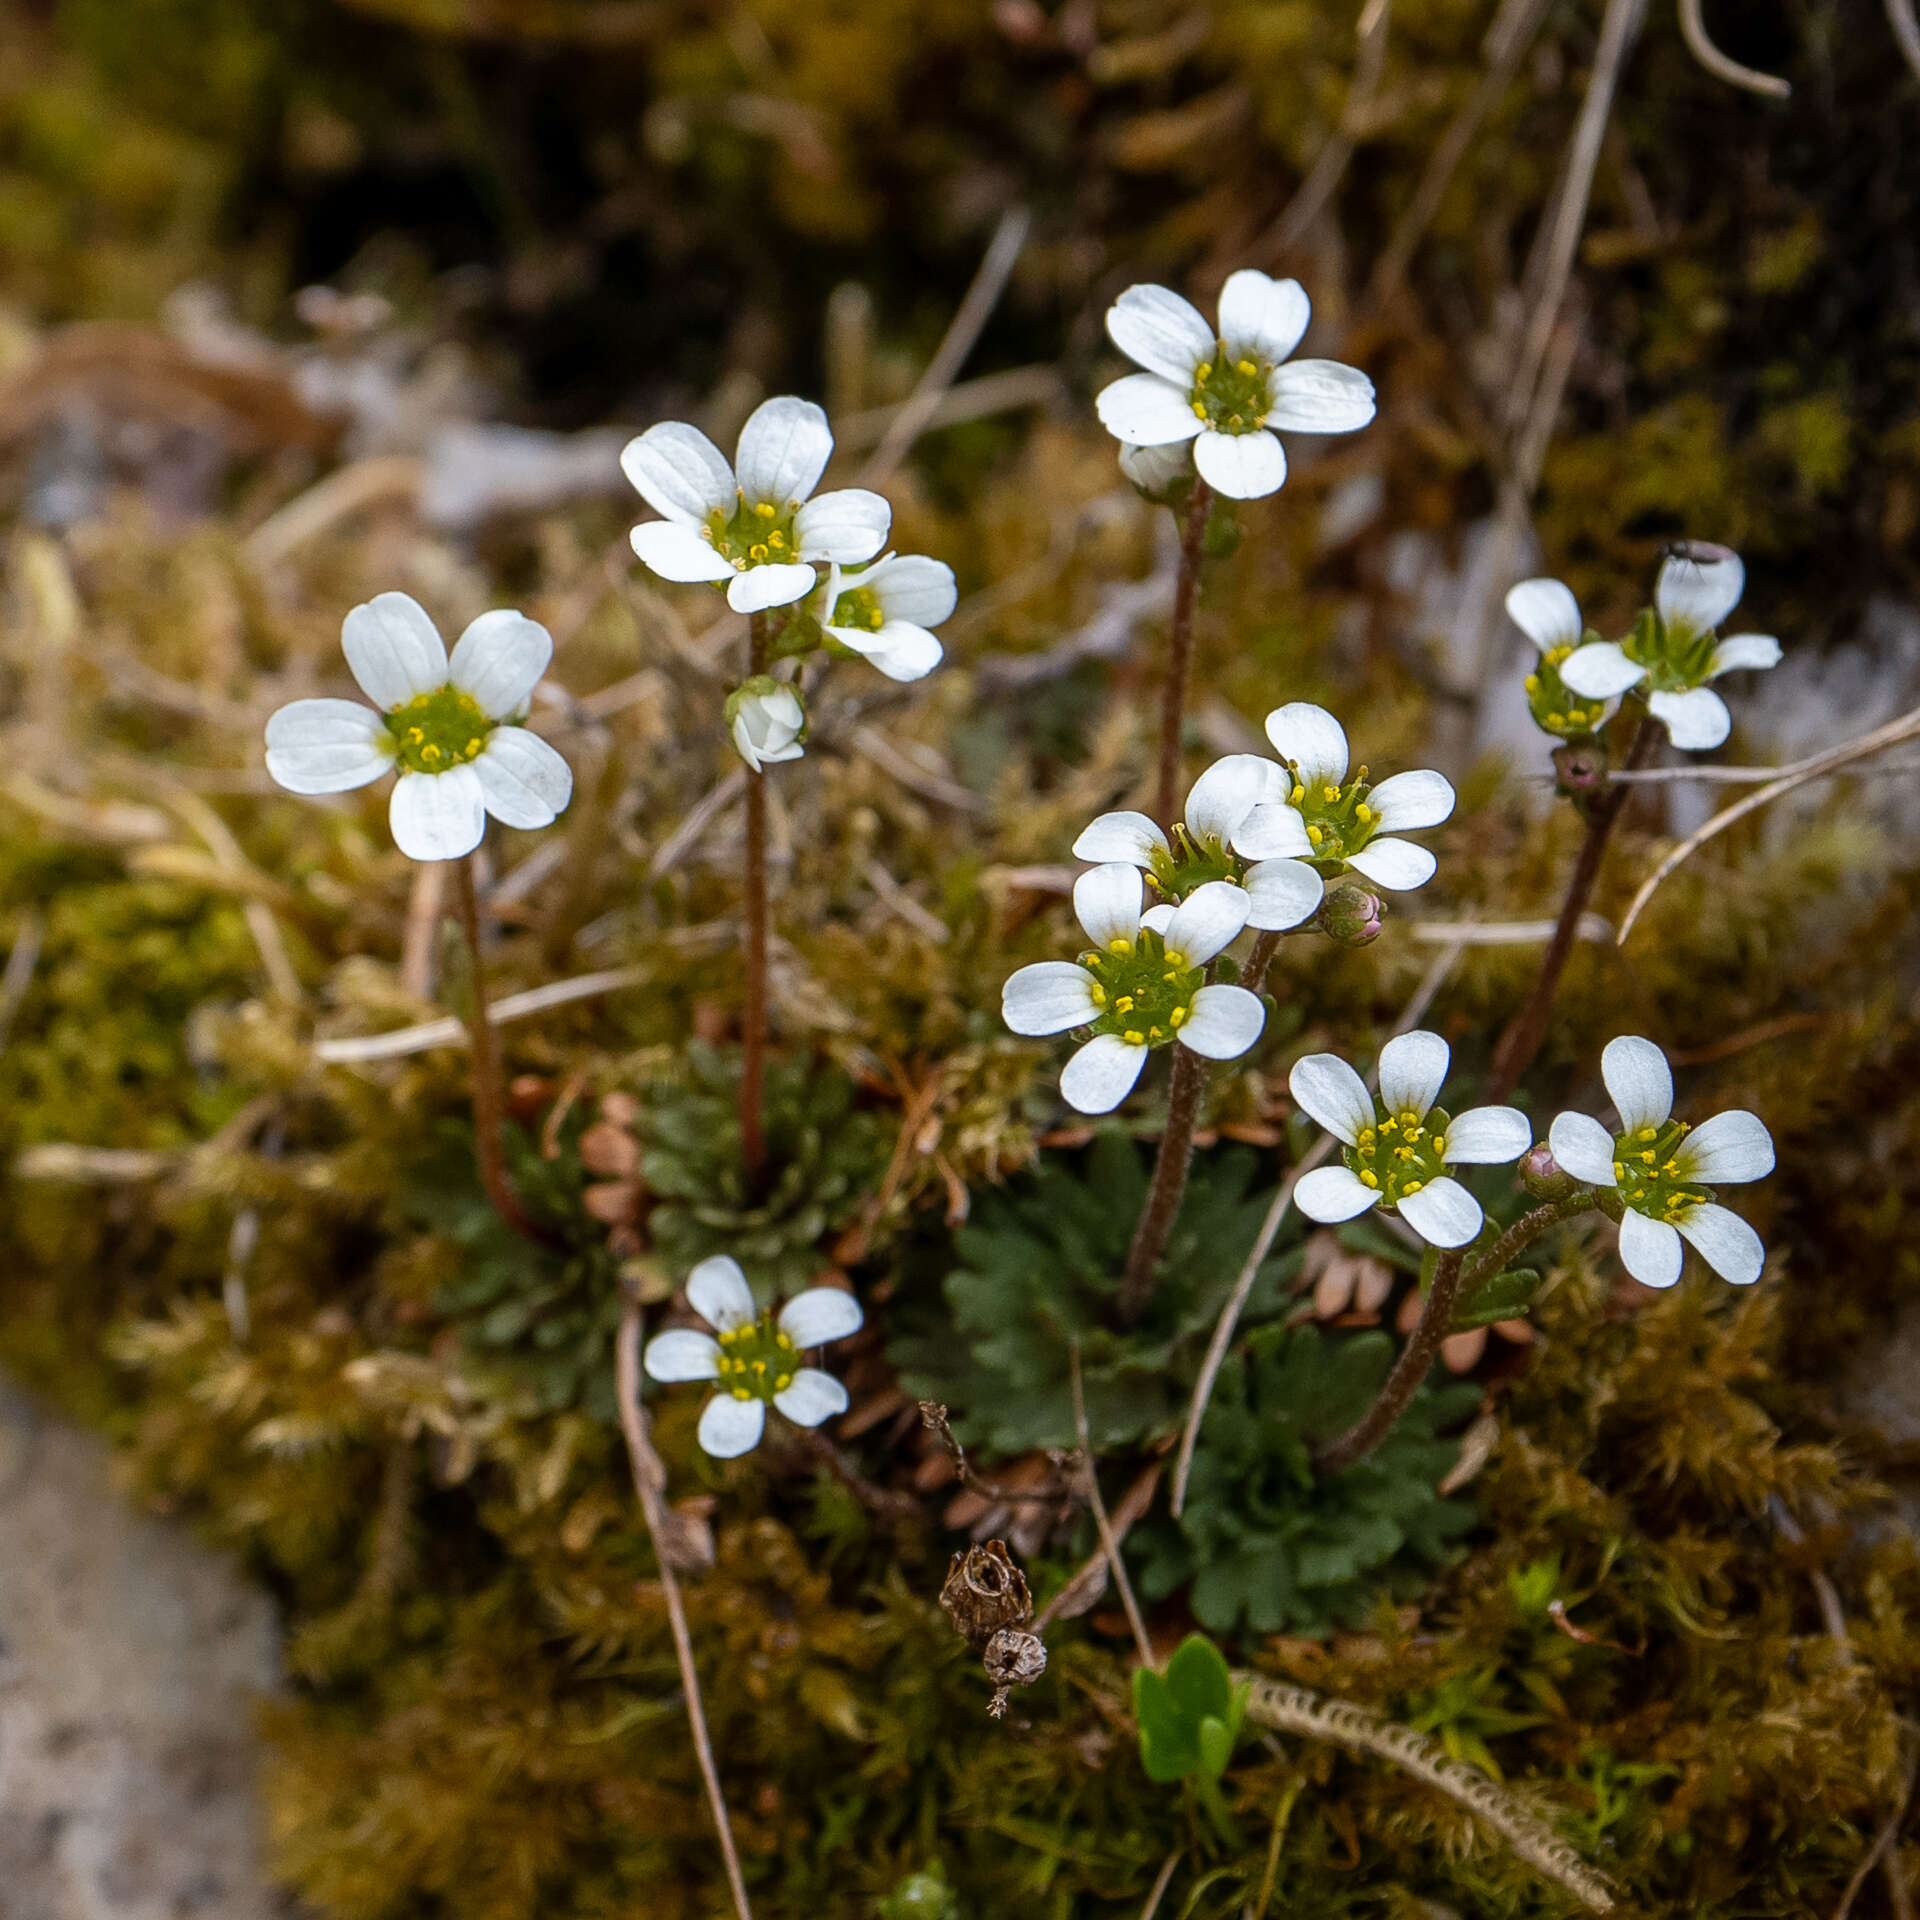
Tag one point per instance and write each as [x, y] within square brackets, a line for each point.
[1173, 711]
[1169, 1185]
[489, 1103]
[1521, 1041]
[753, 1017]
[1259, 960]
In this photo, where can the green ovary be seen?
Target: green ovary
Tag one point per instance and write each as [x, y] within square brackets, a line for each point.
[1231, 395]
[1675, 657]
[860, 609]
[756, 534]
[1400, 1153]
[756, 1361]
[1647, 1172]
[1191, 863]
[440, 730]
[1144, 992]
[1338, 819]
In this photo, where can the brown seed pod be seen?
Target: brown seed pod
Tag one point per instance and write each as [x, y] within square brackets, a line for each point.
[985, 1592]
[1014, 1658]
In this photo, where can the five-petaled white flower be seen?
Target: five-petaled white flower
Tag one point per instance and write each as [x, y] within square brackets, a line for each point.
[1398, 1149]
[1336, 822]
[756, 528]
[1280, 893]
[756, 1358]
[1548, 614]
[1141, 985]
[1664, 1171]
[768, 721]
[1673, 649]
[1227, 392]
[446, 724]
[884, 611]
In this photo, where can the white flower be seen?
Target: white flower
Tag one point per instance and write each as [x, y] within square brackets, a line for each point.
[1227, 393]
[768, 721]
[756, 1359]
[440, 722]
[755, 529]
[1141, 985]
[1156, 471]
[1280, 893]
[884, 611]
[1665, 1171]
[1674, 651]
[1398, 1149]
[1547, 613]
[1336, 822]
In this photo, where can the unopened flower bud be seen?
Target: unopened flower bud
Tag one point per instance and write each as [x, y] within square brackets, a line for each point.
[768, 721]
[1580, 766]
[1158, 472]
[1543, 1176]
[1352, 916]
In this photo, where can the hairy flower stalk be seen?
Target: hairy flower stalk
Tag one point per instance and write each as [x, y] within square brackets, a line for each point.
[1173, 697]
[1170, 1169]
[753, 1017]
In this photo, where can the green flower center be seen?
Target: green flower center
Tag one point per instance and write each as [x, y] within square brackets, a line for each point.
[1231, 395]
[440, 730]
[1648, 1176]
[858, 608]
[754, 535]
[1675, 656]
[757, 1360]
[1400, 1153]
[1339, 822]
[1192, 862]
[1144, 990]
[1556, 707]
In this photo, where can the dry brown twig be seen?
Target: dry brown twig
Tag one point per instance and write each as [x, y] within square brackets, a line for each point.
[1109, 1540]
[933, 1416]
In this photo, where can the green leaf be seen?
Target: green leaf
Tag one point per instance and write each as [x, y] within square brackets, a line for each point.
[1504, 1296]
[1216, 1746]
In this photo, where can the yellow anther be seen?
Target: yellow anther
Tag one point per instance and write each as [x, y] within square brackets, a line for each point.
[1410, 1120]
[1120, 945]
[1178, 1017]
[1329, 794]
[1199, 412]
[473, 745]
[1649, 1156]
[759, 1366]
[1533, 683]
[1156, 1033]
[1389, 1125]
[1556, 719]
[1177, 960]
[1134, 1038]
[776, 538]
[1440, 1145]
[1298, 794]
[1245, 366]
[782, 1382]
[415, 735]
[764, 508]
[1365, 1142]
[1098, 995]
[756, 552]
[1124, 1004]
[1556, 654]
[1363, 813]
[1412, 1186]
[1368, 1178]
[783, 1342]
[429, 752]
[1649, 1133]
[1203, 370]
[740, 1393]
[1315, 836]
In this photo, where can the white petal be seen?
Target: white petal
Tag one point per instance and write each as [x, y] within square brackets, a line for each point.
[395, 651]
[1546, 612]
[499, 660]
[523, 779]
[1145, 411]
[1397, 865]
[1262, 319]
[849, 524]
[1325, 1087]
[1411, 800]
[911, 586]
[1159, 918]
[1319, 396]
[1311, 740]
[1600, 670]
[783, 450]
[1744, 650]
[760, 753]
[1696, 595]
[1158, 330]
[677, 552]
[1121, 836]
[327, 746]
[679, 472]
[1048, 997]
[1107, 901]
[819, 1315]
[683, 1354]
[1639, 1082]
[1725, 1241]
[1228, 791]
[718, 1292]
[1224, 1023]
[1584, 1148]
[1413, 1067]
[1443, 1213]
[1649, 1250]
[902, 651]
[1272, 831]
[730, 1427]
[438, 816]
[1101, 1074]
[1243, 466]
[778, 584]
[1487, 1137]
[1156, 469]
[1696, 720]
[1206, 922]
[1281, 894]
[1331, 1194]
[813, 1397]
[1727, 1150]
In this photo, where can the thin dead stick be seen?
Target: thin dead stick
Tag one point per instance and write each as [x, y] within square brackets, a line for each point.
[424, 904]
[1171, 1166]
[1693, 29]
[352, 1049]
[1906, 727]
[384, 479]
[1282, 1815]
[933, 1416]
[1173, 697]
[976, 308]
[1161, 1881]
[753, 1015]
[649, 1479]
[681, 841]
[22, 958]
[1906, 29]
[965, 400]
[1109, 1543]
[1083, 1591]
[218, 839]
